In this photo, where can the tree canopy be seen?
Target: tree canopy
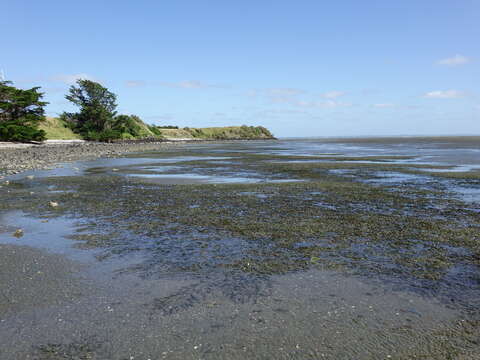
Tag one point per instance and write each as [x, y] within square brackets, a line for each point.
[97, 107]
[20, 113]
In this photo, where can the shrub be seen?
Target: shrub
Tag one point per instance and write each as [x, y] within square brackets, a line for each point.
[105, 136]
[127, 125]
[155, 130]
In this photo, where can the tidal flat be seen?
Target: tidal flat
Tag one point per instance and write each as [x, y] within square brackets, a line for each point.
[293, 249]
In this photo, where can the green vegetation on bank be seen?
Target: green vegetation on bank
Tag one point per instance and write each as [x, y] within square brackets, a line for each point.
[20, 113]
[57, 129]
[219, 133]
[22, 119]
[97, 119]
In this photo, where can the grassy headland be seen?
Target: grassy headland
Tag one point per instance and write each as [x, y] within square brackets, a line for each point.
[219, 133]
[58, 129]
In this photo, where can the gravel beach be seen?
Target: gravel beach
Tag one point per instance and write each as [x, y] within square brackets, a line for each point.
[15, 158]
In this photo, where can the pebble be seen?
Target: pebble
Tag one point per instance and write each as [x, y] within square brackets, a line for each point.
[18, 233]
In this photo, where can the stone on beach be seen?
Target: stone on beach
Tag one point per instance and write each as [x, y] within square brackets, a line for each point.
[18, 233]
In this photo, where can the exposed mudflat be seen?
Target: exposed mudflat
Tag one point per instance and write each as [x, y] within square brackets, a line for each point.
[32, 278]
[260, 250]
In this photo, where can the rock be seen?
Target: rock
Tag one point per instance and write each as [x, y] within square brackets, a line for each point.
[53, 204]
[18, 233]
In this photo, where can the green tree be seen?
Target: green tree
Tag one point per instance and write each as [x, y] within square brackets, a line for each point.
[97, 108]
[20, 113]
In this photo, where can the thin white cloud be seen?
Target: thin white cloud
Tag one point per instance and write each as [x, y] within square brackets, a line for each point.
[284, 112]
[135, 83]
[282, 99]
[321, 104]
[334, 104]
[385, 105]
[290, 96]
[454, 61]
[191, 84]
[444, 94]
[281, 113]
[284, 91]
[70, 79]
[333, 94]
[289, 100]
[276, 95]
[187, 84]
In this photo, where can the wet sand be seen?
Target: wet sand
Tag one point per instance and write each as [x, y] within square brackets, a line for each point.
[33, 278]
[123, 318]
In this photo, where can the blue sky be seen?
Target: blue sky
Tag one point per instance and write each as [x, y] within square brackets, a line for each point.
[300, 68]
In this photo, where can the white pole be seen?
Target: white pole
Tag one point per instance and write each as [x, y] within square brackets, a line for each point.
[2, 75]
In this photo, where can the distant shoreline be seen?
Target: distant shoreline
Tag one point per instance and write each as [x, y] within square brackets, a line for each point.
[389, 137]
